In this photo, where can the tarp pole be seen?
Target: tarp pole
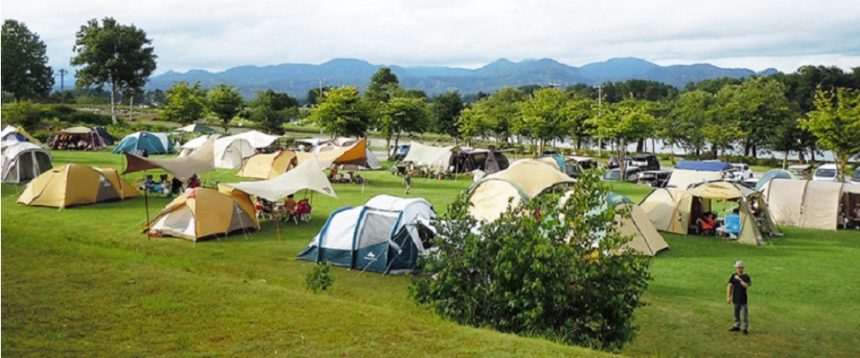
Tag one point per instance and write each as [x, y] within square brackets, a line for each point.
[146, 205]
[277, 226]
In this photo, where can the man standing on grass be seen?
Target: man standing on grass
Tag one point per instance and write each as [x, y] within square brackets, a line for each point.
[736, 293]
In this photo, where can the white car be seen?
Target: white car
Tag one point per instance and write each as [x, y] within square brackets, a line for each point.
[742, 171]
[826, 172]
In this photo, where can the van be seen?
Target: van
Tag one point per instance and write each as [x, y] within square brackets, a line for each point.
[826, 172]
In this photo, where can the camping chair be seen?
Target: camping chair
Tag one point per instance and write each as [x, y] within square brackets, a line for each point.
[733, 225]
[264, 210]
[706, 225]
[303, 210]
[290, 213]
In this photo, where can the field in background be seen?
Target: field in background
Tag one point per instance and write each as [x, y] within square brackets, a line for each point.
[84, 280]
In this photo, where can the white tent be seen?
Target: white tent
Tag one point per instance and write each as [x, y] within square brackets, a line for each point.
[257, 139]
[812, 204]
[188, 147]
[308, 175]
[683, 178]
[383, 235]
[12, 134]
[22, 161]
[231, 152]
[436, 158]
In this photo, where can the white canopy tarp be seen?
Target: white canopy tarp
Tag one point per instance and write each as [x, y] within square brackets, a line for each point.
[257, 139]
[307, 175]
[437, 158]
[683, 178]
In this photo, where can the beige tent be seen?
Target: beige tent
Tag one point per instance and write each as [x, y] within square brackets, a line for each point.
[812, 204]
[435, 158]
[308, 175]
[201, 213]
[675, 210]
[201, 161]
[268, 166]
[76, 184]
[523, 180]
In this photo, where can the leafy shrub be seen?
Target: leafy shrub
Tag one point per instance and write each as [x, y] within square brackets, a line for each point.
[320, 278]
[544, 268]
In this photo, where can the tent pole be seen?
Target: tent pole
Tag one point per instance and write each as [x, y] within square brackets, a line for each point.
[146, 206]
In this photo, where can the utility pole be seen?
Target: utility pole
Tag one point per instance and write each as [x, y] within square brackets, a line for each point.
[63, 73]
[599, 113]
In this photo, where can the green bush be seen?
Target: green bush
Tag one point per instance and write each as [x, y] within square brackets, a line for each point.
[536, 270]
[320, 278]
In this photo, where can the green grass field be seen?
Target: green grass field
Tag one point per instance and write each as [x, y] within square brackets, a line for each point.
[85, 281]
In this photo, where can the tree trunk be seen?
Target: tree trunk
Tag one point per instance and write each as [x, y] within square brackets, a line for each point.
[754, 150]
[785, 160]
[113, 102]
[714, 150]
[396, 142]
[388, 148]
[654, 146]
[801, 156]
[842, 164]
[622, 164]
[131, 108]
[640, 145]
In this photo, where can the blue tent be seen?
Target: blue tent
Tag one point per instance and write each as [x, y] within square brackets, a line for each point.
[703, 166]
[153, 143]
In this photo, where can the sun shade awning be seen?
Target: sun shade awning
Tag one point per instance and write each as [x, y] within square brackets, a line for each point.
[201, 161]
[307, 175]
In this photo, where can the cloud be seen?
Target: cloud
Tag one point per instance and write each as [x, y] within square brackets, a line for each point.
[220, 34]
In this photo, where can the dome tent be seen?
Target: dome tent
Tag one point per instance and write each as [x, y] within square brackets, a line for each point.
[523, 180]
[200, 213]
[153, 143]
[645, 238]
[80, 138]
[23, 161]
[384, 235]
[268, 166]
[76, 184]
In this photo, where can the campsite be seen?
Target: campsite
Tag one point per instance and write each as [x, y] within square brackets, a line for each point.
[429, 179]
[244, 294]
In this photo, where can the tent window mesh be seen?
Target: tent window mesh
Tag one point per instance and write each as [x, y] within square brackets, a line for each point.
[376, 229]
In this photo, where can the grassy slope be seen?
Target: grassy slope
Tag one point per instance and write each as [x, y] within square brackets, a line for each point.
[83, 280]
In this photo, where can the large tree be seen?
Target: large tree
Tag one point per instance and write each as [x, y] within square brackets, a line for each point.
[382, 84]
[120, 56]
[272, 109]
[403, 114]
[446, 110]
[625, 122]
[577, 112]
[225, 102]
[25, 70]
[542, 116]
[342, 112]
[185, 103]
[492, 117]
[836, 123]
[686, 120]
[759, 106]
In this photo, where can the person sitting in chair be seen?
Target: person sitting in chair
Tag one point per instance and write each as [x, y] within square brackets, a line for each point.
[290, 209]
[707, 223]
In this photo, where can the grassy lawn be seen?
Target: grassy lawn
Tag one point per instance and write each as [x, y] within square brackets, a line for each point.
[84, 280]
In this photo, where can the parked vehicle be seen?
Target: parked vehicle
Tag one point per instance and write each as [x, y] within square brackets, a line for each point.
[643, 161]
[742, 171]
[826, 172]
[802, 171]
[855, 178]
[632, 174]
[654, 178]
[573, 165]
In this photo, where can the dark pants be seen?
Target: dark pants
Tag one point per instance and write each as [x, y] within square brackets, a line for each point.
[739, 311]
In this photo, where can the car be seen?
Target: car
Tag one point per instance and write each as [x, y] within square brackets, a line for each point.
[654, 178]
[802, 171]
[632, 174]
[643, 161]
[826, 172]
[855, 178]
[401, 152]
[574, 166]
[742, 171]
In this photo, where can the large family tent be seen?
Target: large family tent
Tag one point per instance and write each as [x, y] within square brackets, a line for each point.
[646, 240]
[353, 155]
[434, 158]
[387, 234]
[23, 161]
[308, 175]
[268, 166]
[201, 213]
[229, 152]
[257, 139]
[16, 134]
[523, 180]
[676, 210]
[80, 138]
[812, 204]
[76, 184]
[690, 172]
[152, 143]
[201, 161]
[487, 160]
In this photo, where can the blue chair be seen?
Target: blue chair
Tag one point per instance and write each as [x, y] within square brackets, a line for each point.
[733, 224]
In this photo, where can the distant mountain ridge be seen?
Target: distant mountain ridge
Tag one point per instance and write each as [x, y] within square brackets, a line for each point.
[297, 79]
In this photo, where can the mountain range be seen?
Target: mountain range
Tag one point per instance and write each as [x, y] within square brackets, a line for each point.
[297, 79]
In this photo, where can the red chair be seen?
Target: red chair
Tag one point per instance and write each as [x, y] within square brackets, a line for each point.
[303, 210]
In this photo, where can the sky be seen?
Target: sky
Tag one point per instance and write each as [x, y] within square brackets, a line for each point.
[219, 34]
